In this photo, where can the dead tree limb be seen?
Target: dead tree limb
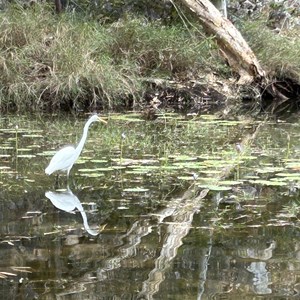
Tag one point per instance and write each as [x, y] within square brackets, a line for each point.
[233, 47]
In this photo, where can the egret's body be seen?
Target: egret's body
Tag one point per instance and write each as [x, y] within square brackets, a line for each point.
[64, 159]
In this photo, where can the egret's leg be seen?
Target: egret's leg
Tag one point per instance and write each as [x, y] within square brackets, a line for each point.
[56, 181]
[68, 173]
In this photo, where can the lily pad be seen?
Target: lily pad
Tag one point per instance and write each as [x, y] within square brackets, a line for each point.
[92, 175]
[32, 135]
[209, 157]
[288, 175]
[268, 182]
[147, 168]
[172, 167]
[182, 157]
[186, 178]
[215, 187]
[125, 161]
[209, 117]
[122, 207]
[119, 167]
[230, 182]
[137, 171]
[98, 160]
[210, 171]
[249, 157]
[190, 165]
[107, 169]
[136, 190]
[26, 155]
[93, 170]
[127, 118]
[266, 170]
[4, 168]
[47, 153]
[24, 149]
[251, 177]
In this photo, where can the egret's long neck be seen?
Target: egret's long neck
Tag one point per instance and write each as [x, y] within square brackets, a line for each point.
[83, 138]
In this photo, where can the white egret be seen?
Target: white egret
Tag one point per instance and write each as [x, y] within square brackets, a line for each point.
[64, 159]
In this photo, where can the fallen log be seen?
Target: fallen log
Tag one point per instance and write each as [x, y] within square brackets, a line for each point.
[232, 45]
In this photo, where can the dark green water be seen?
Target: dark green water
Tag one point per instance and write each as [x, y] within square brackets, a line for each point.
[122, 226]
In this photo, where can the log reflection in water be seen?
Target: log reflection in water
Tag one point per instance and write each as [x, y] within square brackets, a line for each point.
[182, 217]
[181, 211]
[133, 237]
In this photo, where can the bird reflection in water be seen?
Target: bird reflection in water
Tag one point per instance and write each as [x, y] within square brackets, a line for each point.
[69, 202]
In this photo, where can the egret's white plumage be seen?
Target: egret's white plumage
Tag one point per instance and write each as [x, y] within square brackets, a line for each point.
[64, 159]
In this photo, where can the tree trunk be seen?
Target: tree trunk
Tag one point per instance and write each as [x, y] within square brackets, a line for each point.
[232, 45]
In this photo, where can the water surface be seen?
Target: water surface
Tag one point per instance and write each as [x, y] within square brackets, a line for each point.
[127, 224]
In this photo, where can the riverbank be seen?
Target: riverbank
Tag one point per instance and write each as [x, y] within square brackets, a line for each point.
[71, 62]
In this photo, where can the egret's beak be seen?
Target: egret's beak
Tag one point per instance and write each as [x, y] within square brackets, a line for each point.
[102, 120]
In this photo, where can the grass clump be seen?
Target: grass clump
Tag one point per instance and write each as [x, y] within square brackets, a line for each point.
[280, 54]
[52, 61]
[160, 49]
[72, 62]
